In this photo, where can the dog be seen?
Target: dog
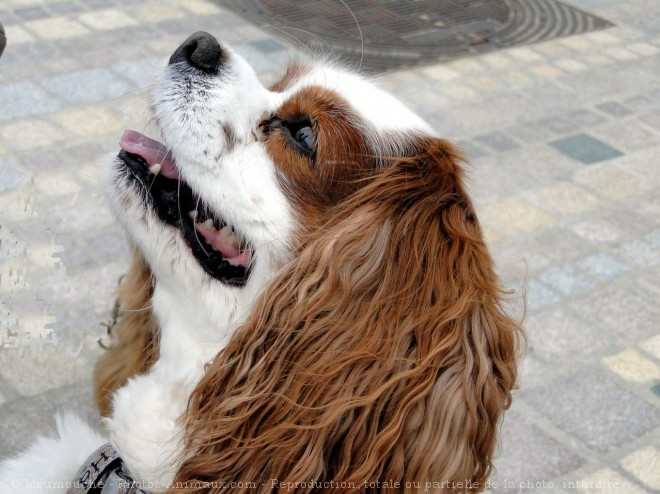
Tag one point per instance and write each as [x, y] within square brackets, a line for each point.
[312, 305]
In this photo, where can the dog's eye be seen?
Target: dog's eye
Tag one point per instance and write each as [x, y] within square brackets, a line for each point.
[305, 138]
[302, 135]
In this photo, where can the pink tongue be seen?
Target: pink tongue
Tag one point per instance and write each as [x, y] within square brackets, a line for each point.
[151, 151]
[229, 252]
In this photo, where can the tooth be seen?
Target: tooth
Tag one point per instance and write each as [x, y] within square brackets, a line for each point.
[192, 214]
[228, 236]
[155, 168]
[208, 223]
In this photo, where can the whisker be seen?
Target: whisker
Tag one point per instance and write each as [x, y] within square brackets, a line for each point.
[195, 229]
[361, 36]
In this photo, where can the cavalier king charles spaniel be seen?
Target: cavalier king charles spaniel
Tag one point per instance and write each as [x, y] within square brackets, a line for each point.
[312, 306]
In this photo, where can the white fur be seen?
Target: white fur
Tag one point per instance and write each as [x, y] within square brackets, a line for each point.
[51, 462]
[372, 103]
[196, 313]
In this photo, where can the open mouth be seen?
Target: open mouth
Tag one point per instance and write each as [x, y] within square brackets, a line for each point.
[218, 248]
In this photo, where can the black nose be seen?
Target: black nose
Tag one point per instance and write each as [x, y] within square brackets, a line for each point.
[201, 50]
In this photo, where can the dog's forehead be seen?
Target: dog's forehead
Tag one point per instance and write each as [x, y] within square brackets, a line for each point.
[372, 103]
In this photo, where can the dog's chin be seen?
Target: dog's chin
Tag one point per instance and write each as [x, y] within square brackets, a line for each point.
[219, 250]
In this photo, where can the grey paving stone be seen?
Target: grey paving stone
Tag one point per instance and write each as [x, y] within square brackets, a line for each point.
[602, 83]
[539, 295]
[59, 64]
[593, 407]
[566, 280]
[74, 256]
[585, 148]
[140, 73]
[99, 3]
[24, 99]
[43, 160]
[529, 132]
[532, 372]
[35, 51]
[266, 45]
[639, 102]
[585, 118]
[624, 310]
[630, 222]
[557, 334]
[8, 19]
[260, 61]
[654, 95]
[65, 7]
[639, 253]
[130, 40]
[86, 86]
[471, 150]
[175, 26]
[543, 101]
[647, 206]
[14, 69]
[654, 238]
[529, 455]
[496, 141]
[68, 45]
[614, 109]
[603, 266]
[560, 245]
[518, 258]
[558, 125]
[104, 278]
[99, 57]
[31, 13]
[10, 176]
[105, 245]
[43, 369]
[626, 135]
[25, 419]
[655, 389]
[652, 119]
[88, 151]
[496, 175]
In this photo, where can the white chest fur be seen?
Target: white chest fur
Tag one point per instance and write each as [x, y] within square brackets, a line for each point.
[144, 426]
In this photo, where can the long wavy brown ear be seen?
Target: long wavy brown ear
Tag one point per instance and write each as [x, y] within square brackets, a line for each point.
[382, 353]
[134, 337]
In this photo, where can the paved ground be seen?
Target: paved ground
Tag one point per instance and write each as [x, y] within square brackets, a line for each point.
[564, 139]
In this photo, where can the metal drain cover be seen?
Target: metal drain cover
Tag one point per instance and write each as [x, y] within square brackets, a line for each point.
[404, 33]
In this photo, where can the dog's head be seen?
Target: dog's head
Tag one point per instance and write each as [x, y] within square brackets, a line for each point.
[378, 348]
[243, 172]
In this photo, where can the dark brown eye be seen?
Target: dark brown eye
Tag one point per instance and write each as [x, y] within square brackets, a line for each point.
[302, 134]
[305, 138]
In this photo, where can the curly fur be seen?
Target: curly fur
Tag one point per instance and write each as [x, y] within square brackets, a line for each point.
[382, 352]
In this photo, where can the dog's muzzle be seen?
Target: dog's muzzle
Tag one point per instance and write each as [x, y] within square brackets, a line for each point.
[103, 473]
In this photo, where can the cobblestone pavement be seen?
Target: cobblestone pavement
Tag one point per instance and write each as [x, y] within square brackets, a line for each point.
[564, 143]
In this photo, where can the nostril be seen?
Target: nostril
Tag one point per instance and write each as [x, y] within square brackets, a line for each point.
[201, 50]
[190, 49]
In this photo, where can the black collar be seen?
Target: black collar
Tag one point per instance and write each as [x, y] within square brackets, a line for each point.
[104, 473]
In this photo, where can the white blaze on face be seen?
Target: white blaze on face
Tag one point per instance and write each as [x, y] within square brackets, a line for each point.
[383, 111]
